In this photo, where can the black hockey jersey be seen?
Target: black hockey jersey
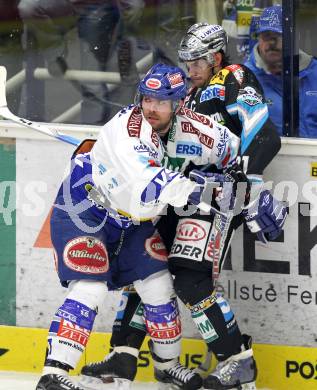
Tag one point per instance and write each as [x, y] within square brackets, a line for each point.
[235, 98]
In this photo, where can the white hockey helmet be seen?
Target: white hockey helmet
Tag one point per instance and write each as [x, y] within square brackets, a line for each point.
[201, 41]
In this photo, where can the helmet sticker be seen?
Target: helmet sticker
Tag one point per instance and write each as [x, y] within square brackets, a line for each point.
[175, 80]
[153, 83]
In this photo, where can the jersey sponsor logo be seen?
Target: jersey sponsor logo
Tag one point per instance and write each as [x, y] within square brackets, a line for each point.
[153, 190]
[155, 247]
[142, 148]
[66, 315]
[175, 80]
[195, 116]
[220, 77]
[249, 96]
[164, 330]
[153, 83]
[73, 332]
[205, 327]
[155, 138]
[135, 122]
[189, 148]
[190, 231]
[186, 251]
[86, 255]
[213, 92]
[187, 127]
[222, 143]
[237, 71]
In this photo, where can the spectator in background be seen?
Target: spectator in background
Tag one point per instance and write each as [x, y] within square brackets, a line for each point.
[237, 22]
[266, 61]
[49, 21]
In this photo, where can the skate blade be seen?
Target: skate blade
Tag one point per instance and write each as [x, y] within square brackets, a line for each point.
[106, 383]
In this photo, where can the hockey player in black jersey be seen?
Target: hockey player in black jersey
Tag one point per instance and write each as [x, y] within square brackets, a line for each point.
[230, 94]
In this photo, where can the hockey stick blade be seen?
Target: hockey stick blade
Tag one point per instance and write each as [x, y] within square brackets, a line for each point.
[41, 128]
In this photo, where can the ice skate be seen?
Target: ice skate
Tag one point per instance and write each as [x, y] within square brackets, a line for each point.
[172, 375]
[238, 372]
[56, 382]
[115, 372]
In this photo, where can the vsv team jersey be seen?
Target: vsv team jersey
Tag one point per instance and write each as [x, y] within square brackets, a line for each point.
[128, 170]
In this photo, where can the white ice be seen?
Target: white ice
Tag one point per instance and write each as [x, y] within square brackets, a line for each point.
[25, 381]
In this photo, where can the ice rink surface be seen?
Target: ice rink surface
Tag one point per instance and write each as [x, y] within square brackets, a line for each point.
[27, 381]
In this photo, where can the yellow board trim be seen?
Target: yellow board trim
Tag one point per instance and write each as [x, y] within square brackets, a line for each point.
[26, 350]
[313, 169]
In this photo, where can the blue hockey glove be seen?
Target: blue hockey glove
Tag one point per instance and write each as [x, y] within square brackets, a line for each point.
[265, 217]
[219, 191]
[203, 194]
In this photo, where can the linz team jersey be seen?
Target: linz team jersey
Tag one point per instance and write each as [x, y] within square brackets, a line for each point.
[235, 99]
[131, 165]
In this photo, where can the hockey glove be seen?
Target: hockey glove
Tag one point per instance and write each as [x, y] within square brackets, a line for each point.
[265, 217]
[202, 196]
[236, 186]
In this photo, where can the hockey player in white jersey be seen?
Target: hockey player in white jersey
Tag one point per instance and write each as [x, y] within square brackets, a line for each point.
[102, 228]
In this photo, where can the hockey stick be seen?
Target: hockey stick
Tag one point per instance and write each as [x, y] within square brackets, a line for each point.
[41, 128]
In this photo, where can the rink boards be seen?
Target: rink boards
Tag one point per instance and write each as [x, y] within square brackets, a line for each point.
[280, 367]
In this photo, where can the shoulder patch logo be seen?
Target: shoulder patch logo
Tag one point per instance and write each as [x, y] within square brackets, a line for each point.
[237, 71]
[220, 77]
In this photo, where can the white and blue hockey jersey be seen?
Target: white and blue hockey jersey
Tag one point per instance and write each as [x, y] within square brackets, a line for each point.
[128, 168]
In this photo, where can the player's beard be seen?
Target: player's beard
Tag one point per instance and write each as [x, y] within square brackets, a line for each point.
[162, 129]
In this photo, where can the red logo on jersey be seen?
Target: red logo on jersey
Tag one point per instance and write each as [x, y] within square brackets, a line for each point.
[187, 127]
[155, 138]
[165, 330]
[156, 248]
[190, 231]
[87, 255]
[195, 116]
[153, 83]
[73, 332]
[135, 122]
